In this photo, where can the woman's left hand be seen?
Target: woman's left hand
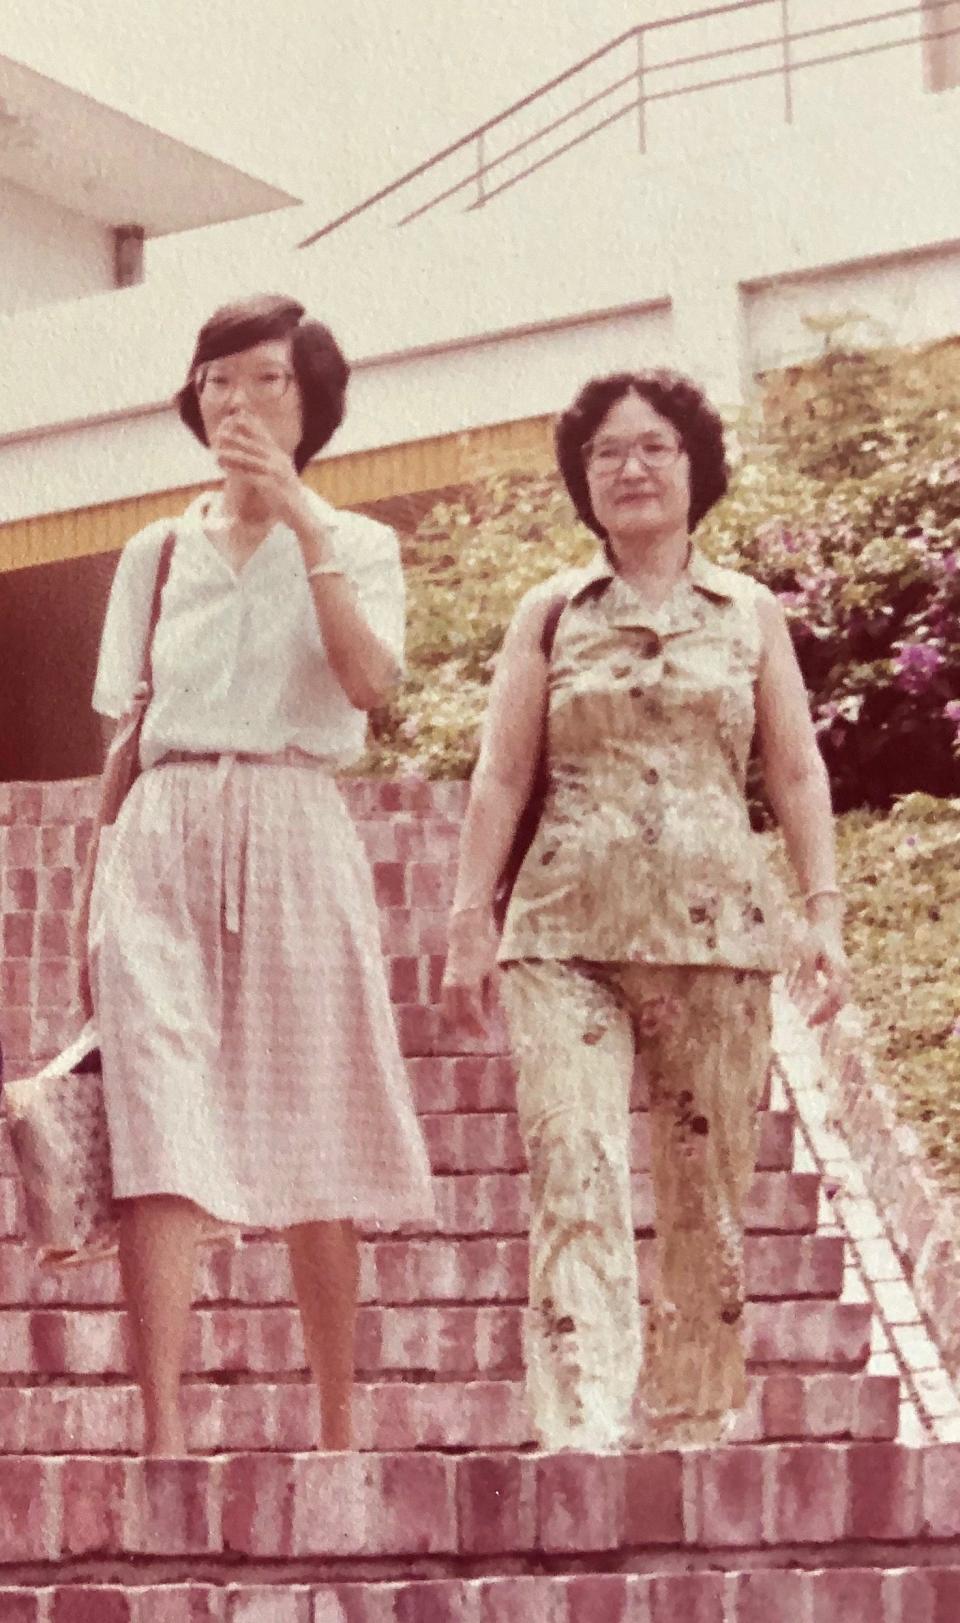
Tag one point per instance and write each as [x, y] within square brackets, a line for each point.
[244, 449]
[820, 977]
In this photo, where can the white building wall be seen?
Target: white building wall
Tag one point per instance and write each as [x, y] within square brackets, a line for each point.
[48, 253]
[910, 299]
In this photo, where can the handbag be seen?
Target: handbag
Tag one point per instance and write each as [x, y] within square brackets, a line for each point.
[57, 1118]
[529, 819]
[58, 1131]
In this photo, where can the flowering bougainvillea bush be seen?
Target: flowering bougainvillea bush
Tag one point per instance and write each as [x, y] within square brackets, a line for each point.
[845, 501]
[852, 515]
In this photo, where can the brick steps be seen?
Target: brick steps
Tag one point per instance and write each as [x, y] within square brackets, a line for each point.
[446, 1515]
[496, 1203]
[450, 1340]
[254, 1272]
[779, 1500]
[828, 1595]
[489, 1141]
[402, 1415]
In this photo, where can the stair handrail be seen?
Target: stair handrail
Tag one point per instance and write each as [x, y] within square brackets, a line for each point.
[787, 68]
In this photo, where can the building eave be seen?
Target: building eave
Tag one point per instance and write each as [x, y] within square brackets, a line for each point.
[82, 155]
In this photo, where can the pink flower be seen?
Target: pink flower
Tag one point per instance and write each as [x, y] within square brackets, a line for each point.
[816, 585]
[952, 710]
[916, 665]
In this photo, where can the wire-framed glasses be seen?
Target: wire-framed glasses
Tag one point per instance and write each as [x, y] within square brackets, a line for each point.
[606, 455]
[265, 384]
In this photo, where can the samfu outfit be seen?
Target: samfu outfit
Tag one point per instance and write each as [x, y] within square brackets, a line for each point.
[639, 922]
[250, 1059]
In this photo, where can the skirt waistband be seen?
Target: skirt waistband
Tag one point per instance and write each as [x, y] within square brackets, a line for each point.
[231, 833]
[290, 756]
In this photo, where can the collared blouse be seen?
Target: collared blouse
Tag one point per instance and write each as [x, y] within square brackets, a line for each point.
[239, 662]
[645, 851]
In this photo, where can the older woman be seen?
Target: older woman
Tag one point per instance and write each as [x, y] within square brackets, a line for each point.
[639, 919]
[251, 1067]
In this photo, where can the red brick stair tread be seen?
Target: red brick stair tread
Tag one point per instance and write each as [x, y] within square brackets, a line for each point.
[824, 1595]
[769, 1498]
[451, 1339]
[400, 1415]
[254, 1272]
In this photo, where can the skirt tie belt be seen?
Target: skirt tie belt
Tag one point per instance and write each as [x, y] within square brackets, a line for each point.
[232, 829]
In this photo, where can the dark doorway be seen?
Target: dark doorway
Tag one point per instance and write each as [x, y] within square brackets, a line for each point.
[51, 617]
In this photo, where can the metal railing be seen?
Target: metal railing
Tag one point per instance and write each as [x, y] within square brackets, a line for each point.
[484, 179]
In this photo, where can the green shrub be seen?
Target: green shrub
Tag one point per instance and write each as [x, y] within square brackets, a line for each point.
[901, 873]
[469, 563]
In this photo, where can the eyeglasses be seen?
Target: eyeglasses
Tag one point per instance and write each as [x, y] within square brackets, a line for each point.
[608, 456]
[267, 385]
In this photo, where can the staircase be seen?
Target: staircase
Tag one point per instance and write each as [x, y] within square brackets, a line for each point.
[834, 1503]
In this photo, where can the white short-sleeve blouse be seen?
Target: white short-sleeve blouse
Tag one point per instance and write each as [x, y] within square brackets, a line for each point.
[239, 662]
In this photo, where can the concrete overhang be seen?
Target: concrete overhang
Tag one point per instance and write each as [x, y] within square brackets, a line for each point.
[100, 163]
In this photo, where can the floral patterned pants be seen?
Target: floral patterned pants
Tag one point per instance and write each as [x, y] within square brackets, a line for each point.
[704, 1035]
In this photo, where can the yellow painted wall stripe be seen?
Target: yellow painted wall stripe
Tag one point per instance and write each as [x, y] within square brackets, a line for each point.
[347, 481]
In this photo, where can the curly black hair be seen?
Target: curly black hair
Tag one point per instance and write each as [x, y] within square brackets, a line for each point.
[678, 400]
[319, 366]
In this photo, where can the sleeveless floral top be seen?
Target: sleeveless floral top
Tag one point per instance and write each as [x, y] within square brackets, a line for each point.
[644, 851]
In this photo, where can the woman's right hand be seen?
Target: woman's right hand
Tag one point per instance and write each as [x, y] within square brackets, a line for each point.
[467, 991]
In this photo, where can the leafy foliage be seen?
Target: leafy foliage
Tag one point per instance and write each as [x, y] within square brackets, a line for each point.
[468, 564]
[901, 873]
[847, 504]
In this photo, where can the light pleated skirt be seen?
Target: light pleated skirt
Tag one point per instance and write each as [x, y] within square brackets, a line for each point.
[250, 1058]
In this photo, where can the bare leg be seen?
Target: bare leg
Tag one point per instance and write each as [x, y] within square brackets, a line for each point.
[158, 1238]
[324, 1259]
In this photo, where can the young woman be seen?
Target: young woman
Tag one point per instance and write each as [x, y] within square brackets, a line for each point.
[251, 1067]
[639, 917]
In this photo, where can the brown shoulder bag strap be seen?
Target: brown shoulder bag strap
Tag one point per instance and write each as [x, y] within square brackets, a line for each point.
[120, 769]
[163, 570]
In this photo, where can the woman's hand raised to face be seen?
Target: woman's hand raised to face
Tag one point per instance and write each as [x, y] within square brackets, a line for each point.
[246, 450]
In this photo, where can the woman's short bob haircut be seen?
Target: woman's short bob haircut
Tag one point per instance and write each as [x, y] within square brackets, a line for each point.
[678, 400]
[320, 369]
